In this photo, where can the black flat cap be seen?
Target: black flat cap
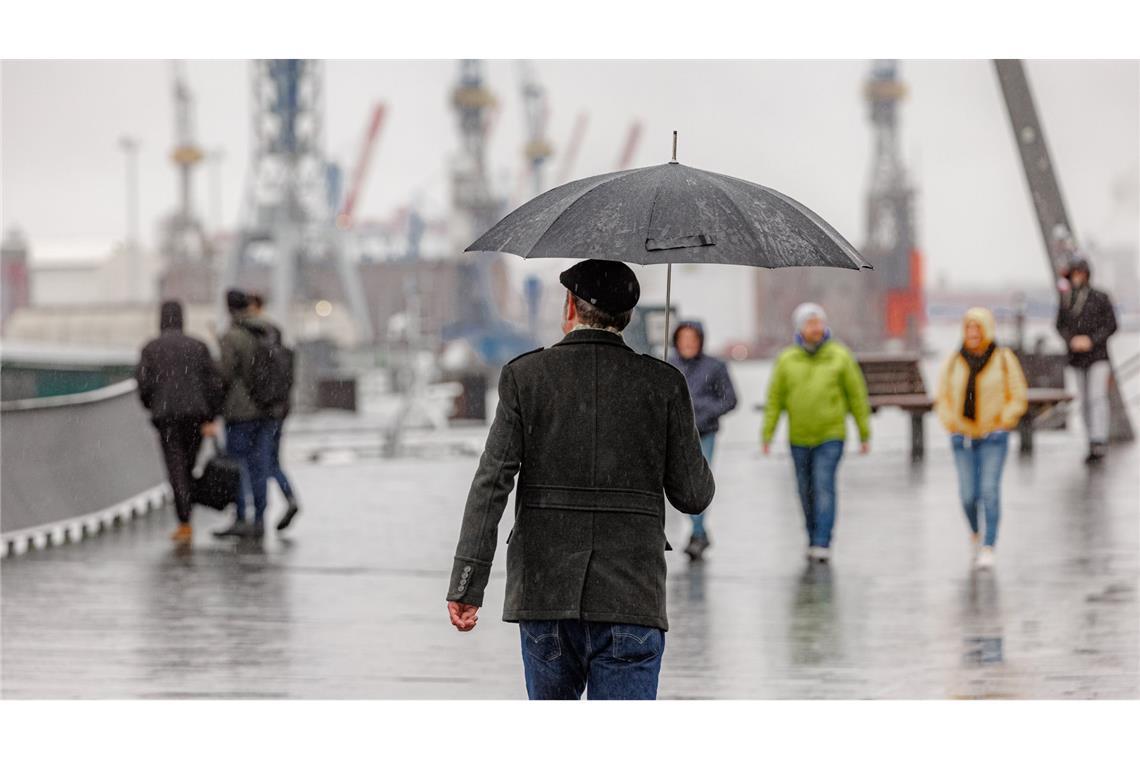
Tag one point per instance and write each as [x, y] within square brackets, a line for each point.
[609, 285]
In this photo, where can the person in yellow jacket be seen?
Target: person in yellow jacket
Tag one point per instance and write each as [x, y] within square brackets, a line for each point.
[981, 397]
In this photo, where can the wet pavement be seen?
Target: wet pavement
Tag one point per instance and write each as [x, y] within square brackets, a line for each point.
[350, 604]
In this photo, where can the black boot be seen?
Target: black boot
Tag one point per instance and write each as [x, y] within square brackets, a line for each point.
[255, 531]
[289, 515]
[237, 530]
[1096, 453]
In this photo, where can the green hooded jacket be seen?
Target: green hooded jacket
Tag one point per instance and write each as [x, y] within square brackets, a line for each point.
[818, 390]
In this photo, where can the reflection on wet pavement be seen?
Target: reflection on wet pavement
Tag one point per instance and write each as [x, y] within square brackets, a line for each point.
[351, 603]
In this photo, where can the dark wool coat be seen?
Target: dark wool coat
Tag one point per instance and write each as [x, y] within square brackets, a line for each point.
[599, 435]
[1087, 312]
[177, 380]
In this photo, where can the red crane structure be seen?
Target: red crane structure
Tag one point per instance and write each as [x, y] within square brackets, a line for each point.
[360, 172]
[633, 137]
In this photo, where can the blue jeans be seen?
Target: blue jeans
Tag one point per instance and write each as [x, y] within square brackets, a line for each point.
[561, 658]
[708, 444]
[815, 476]
[980, 462]
[275, 471]
[251, 444]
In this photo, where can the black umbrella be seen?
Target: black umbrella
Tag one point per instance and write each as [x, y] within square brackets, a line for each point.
[669, 214]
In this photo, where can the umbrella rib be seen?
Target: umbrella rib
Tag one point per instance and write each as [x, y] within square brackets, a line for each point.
[714, 181]
[844, 244]
[608, 178]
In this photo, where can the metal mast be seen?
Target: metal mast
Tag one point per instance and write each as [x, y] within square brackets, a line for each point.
[184, 236]
[476, 208]
[288, 202]
[537, 148]
[890, 198]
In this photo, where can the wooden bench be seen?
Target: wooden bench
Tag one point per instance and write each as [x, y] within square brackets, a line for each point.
[895, 380]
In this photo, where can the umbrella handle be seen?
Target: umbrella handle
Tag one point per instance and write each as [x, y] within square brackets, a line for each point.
[668, 307]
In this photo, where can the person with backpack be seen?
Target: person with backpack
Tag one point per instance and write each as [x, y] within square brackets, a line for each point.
[179, 385]
[253, 397]
[257, 309]
[981, 396]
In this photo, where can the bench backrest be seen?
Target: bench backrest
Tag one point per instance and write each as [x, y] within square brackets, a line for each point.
[892, 375]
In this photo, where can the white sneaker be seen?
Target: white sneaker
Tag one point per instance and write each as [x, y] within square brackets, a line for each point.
[819, 553]
[985, 559]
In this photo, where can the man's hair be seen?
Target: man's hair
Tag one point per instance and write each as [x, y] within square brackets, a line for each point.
[592, 316]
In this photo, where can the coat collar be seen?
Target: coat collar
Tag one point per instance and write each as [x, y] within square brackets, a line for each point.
[592, 336]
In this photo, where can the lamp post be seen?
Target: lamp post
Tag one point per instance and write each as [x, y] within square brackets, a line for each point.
[130, 148]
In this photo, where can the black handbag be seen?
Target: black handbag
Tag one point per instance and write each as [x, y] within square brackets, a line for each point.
[217, 487]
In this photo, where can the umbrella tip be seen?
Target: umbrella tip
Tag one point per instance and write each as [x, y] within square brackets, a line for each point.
[674, 147]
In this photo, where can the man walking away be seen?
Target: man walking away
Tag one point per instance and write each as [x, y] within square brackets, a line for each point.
[1086, 318]
[257, 309]
[713, 396]
[178, 383]
[601, 436]
[818, 382]
[249, 425]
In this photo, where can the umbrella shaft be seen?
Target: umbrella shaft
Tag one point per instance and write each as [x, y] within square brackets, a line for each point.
[668, 307]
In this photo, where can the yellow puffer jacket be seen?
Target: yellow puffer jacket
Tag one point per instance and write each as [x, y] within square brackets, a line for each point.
[1001, 397]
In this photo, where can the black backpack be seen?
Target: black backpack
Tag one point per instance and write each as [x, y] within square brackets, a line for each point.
[271, 375]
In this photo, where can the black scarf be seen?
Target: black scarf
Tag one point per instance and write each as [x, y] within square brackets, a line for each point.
[976, 364]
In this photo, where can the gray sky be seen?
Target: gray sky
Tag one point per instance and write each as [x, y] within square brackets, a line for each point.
[800, 127]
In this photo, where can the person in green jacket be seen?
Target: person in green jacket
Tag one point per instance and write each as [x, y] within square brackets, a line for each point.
[818, 382]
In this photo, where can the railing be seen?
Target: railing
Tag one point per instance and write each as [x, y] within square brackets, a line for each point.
[72, 466]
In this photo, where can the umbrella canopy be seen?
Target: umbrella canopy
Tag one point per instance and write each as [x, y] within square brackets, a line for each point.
[669, 214]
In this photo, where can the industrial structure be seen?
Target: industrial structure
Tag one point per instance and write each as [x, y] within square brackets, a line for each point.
[885, 310]
[288, 221]
[1058, 237]
[186, 251]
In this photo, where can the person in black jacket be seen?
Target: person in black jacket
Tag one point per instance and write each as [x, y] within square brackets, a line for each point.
[1085, 319]
[601, 436]
[179, 384]
[713, 397]
[257, 309]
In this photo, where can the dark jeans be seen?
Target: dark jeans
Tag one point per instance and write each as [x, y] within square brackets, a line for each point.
[980, 462]
[815, 476]
[250, 443]
[275, 470]
[561, 658]
[180, 440]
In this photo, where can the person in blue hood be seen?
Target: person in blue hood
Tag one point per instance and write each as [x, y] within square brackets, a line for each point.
[713, 396]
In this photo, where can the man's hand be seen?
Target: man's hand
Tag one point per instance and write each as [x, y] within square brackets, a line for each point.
[463, 616]
[1081, 344]
[865, 447]
[766, 447]
[209, 429]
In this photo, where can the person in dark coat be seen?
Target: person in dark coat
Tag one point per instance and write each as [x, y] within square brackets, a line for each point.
[1086, 319]
[249, 428]
[178, 383]
[602, 436]
[713, 397]
[257, 309]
